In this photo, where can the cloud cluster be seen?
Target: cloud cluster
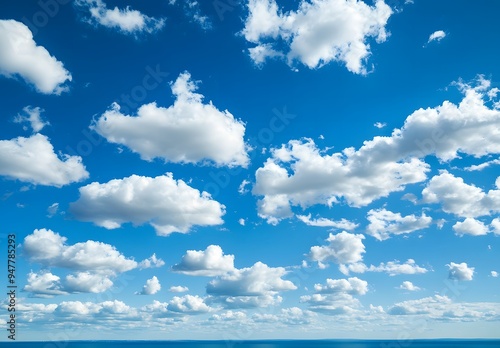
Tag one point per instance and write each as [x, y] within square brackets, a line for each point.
[189, 131]
[127, 21]
[384, 223]
[317, 33]
[33, 160]
[32, 116]
[21, 56]
[167, 204]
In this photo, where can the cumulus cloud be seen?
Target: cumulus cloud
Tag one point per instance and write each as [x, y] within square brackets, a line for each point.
[93, 282]
[494, 274]
[460, 271]
[44, 284]
[352, 286]
[33, 160]
[300, 174]
[188, 304]
[332, 304]
[151, 287]
[436, 36]
[255, 286]
[21, 56]
[178, 288]
[152, 262]
[33, 117]
[392, 268]
[209, 262]
[167, 204]
[384, 223]
[343, 248]
[342, 224]
[189, 131]
[317, 33]
[495, 225]
[409, 286]
[127, 21]
[471, 227]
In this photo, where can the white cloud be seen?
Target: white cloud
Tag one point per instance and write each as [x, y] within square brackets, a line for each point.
[189, 131]
[126, 20]
[343, 224]
[188, 304]
[437, 36]
[229, 316]
[93, 282]
[151, 287]
[209, 262]
[471, 227]
[495, 225]
[241, 222]
[409, 286]
[384, 223]
[33, 160]
[32, 116]
[50, 249]
[300, 174]
[250, 287]
[52, 209]
[242, 188]
[460, 271]
[332, 304]
[379, 125]
[178, 288]
[460, 198]
[44, 284]
[482, 166]
[392, 268]
[343, 248]
[21, 56]
[152, 262]
[494, 274]
[352, 286]
[167, 204]
[317, 33]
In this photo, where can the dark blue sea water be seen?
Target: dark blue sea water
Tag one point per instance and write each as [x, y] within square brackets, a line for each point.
[267, 344]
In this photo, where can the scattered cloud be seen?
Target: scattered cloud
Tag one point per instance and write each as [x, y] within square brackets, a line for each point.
[409, 286]
[436, 36]
[379, 125]
[352, 286]
[392, 268]
[33, 160]
[384, 223]
[482, 166]
[33, 117]
[209, 262]
[189, 131]
[178, 288]
[188, 304]
[127, 21]
[241, 222]
[471, 227]
[52, 209]
[460, 271]
[343, 248]
[152, 262]
[494, 274]
[167, 204]
[151, 287]
[21, 56]
[342, 224]
[317, 33]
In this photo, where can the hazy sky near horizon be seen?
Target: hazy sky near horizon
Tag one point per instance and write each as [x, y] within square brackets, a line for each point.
[251, 169]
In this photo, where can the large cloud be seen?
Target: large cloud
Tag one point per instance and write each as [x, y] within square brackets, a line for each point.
[460, 271]
[318, 32]
[189, 131]
[126, 20]
[33, 160]
[301, 174]
[209, 262]
[21, 56]
[383, 223]
[167, 204]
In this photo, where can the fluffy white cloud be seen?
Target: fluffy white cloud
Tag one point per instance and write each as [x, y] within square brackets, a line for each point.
[459, 198]
[495, 225]
[494, 274]
[50, 249]
[44, 284]
[332, 304]
[151, 287]
[352, 286]
[383, 223]
[152, 262]
[318, 32]
[178, 288]
[460, 271]
[126, 20]
[255, 286]
[21, 56]
[208, 262]
[188, 304]
[300, 174]
[392, 268]
[437, 36]
[33, 117]
[168, 205]
[343, 248]
[409, 286]
[87, 282]
[482, 166]
[343, 224]
[229, 316]
[189, 131]
[33, 160]
[471, 227]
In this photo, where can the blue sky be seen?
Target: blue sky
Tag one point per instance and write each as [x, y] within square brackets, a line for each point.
[251, 169]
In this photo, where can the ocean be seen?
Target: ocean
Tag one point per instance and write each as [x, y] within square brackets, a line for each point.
[268, 344]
